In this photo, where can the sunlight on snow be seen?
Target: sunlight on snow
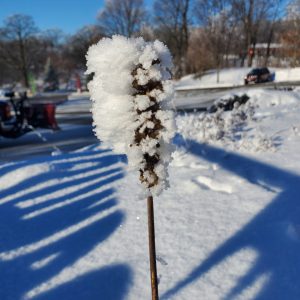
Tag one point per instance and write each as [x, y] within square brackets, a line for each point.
[24, 250]
[44, 262]
[237, 266]
[74, 199]
[8, 181]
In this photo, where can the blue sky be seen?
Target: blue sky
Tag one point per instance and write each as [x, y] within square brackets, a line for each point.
[68, 15]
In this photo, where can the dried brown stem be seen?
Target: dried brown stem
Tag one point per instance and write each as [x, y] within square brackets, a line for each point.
[152, 252]
[149, 161]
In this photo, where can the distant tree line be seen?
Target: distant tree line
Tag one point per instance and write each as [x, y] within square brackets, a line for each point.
[27, 52]
[201, 34]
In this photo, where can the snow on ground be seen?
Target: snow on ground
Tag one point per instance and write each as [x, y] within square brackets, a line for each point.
[73, 226]
[257, 125]
[232, 77]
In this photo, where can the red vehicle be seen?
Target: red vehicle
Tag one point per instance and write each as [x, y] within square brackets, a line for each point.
[21, 115]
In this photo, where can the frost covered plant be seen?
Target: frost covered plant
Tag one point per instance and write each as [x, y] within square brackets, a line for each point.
[258, 142]
[227, 128]
[131, 91]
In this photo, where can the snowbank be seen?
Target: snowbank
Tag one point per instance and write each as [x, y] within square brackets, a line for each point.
[243, 128]
[233, 77]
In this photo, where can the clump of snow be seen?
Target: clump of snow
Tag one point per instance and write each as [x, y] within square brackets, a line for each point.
[236, 129]
[131, 90]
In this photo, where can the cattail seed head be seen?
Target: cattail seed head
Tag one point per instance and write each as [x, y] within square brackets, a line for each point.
[131, 91]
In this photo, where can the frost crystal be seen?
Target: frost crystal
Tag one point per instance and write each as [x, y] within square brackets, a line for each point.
[131, 90]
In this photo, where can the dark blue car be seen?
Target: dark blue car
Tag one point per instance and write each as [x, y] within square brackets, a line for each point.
[259, 75]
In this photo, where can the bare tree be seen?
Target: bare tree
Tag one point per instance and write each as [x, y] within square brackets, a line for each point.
[7, 72]
[79, 43]
[122, 17]
[173, 19]
[199, 56]
[75, 49]
[291, 34]
[293, 10]
[218, 28]
[251, 14]
[53, 38]
[19, 44]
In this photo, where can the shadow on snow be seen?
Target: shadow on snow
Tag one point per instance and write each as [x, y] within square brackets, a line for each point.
[65, 233]
[267, 233]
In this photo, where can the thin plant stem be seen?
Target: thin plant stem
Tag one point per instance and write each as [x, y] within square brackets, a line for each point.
[152, 251]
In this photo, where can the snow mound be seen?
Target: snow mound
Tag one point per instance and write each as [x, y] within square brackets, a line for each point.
[242, 127]
[268, 98]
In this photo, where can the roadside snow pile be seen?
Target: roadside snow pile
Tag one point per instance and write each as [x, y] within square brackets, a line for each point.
[228, 77]
[242, 127]
[287, 74]
[268, 98]
[131, 91]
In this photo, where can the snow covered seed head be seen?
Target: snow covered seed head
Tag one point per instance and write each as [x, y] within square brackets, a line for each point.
[131, 91]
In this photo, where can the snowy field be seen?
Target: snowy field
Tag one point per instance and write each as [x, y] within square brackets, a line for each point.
[73, 226]
[233, 77]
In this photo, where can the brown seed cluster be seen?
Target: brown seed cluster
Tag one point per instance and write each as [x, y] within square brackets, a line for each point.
[150, 161]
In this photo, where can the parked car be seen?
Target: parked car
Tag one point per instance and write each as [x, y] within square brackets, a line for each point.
[259, 75]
